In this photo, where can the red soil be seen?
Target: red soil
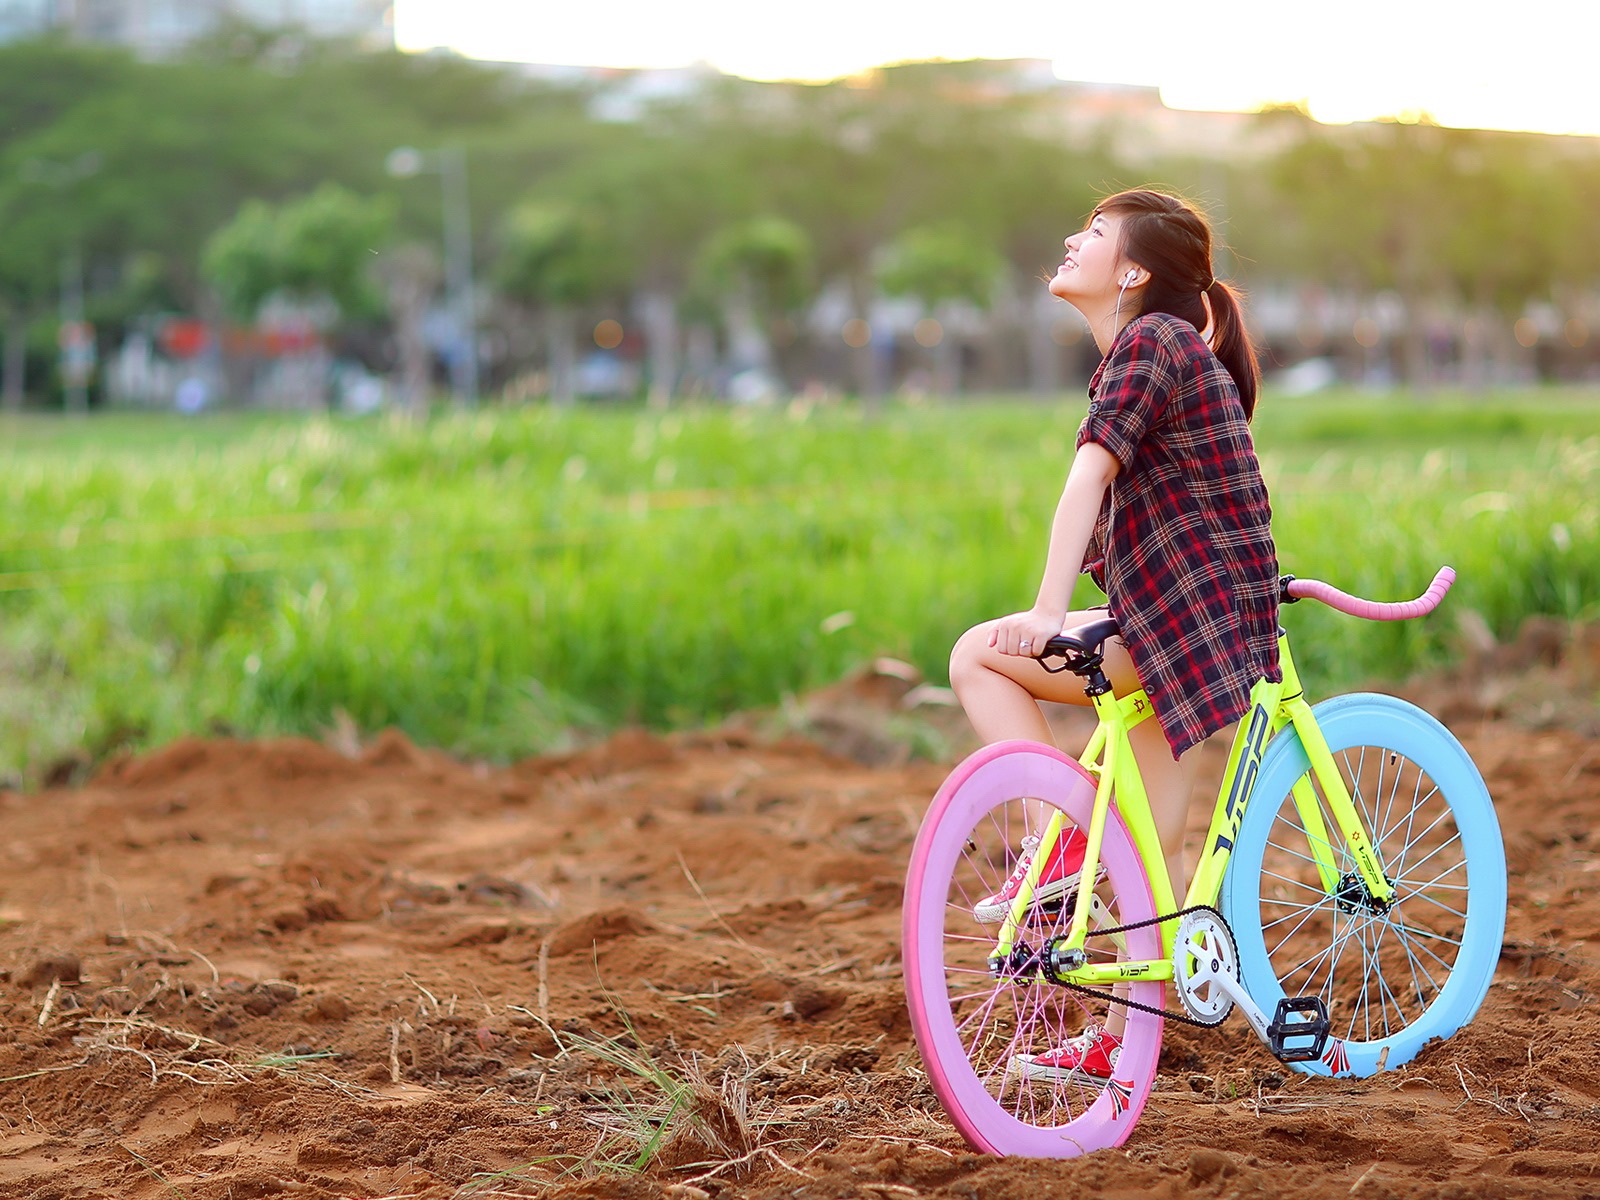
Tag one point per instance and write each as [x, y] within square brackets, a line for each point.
[233, 969]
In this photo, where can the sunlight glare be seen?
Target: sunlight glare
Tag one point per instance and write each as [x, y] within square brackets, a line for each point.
[1359, 60]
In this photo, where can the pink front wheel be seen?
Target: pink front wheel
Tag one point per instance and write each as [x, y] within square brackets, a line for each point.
[985, 1037]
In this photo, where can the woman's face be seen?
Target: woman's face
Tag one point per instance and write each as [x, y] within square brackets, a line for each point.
[1093, 266]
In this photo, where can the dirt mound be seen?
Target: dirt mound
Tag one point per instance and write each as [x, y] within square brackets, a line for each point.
[233, 969]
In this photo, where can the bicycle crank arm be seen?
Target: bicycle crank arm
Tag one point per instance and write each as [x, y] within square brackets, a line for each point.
[1297, 1032]
[1241, 998]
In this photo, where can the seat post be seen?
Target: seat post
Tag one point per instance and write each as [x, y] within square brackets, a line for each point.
[1095, 681]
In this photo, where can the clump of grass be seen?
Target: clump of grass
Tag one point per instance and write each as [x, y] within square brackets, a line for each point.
[652, 1112]
[660, 1112]
[289, 1060]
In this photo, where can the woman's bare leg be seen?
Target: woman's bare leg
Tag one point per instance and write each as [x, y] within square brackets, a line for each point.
[1169, 784]
[1001, 695]
[1001, 692]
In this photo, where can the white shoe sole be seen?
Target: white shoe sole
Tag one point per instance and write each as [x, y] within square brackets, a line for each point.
[1032, 1072]
[993, 914]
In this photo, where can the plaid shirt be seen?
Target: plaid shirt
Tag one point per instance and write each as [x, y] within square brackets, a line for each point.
[1182, 546]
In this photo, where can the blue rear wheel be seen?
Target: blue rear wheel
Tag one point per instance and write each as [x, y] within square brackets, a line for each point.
[1393, 977]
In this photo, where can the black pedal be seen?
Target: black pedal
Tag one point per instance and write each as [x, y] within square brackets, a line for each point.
[1299, 1029]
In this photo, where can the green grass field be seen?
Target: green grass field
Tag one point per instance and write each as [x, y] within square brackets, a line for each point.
[491, 582]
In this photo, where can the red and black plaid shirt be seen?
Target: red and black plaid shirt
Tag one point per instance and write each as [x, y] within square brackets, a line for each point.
[1183, 546]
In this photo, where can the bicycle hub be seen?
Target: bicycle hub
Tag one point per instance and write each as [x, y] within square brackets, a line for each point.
[1019, 966]
[1059, 961]
[1352, 895]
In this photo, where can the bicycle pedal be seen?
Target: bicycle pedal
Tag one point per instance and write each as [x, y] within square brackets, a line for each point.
[1299, 1029]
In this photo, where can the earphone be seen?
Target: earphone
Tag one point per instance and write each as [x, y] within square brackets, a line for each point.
[1127, 282]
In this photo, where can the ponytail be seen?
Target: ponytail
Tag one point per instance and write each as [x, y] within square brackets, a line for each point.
[1171, 239]
[1230, 342]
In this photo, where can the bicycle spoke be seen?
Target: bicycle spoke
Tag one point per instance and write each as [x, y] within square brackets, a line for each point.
[1304, 911]
[1417, 801]
[1368, 809]
[1440, 849]
[1380, 828]
[1424, 948]
[1362, 1008]
[1385, 992]
[1417, 931]
[1305, 858]
[1311, 911]
[1317, 888]
[1413, 965]
[1412, 837]
[1416, 805]
[1430, 884]
[1313, 964]
[982, 1011]
[1417, 965]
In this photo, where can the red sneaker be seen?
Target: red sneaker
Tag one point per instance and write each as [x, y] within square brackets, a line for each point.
[1058, 879]
[1090, 1058]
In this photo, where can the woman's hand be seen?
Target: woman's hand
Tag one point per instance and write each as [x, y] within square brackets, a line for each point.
[1025, 633]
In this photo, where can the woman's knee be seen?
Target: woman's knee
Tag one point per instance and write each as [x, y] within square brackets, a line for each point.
[966, 656]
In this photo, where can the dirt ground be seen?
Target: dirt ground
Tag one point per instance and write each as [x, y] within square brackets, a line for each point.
[359, 969]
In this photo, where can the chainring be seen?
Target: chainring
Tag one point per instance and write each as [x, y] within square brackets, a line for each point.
[1204, 951]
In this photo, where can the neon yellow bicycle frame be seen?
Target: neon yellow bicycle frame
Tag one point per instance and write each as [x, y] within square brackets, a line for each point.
[1109, 758]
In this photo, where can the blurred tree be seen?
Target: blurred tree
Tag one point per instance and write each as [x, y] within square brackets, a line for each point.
[1487, 219]
[317, 252]
[1373, 207]
[43, 79]
[839, 163]
[760, 269]
[556, 259]
[943, 267]
[29, 277]
[247, 114]
[14, 309]
[1518, 224]
[40, 81]
[1442, 218]
[317, 247]
[659, 187]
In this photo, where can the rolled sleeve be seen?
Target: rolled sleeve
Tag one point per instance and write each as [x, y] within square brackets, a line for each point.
[1131, 394]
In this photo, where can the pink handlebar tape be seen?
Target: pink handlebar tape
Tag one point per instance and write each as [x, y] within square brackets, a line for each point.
[1375, 610]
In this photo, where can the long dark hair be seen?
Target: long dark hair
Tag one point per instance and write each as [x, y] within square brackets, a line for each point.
[1171, 239]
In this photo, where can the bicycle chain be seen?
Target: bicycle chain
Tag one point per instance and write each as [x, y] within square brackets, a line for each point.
[1183, 1018]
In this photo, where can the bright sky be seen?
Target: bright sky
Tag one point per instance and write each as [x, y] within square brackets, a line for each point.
[1526, 65]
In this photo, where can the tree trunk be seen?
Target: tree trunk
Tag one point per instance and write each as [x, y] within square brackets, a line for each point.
[1044, 355]
[658, 312]
[416, 364]
[559, 331]
[701, 360]
[748, 348]
[1413, 341]
[16, 362]
[408, 299]
[947, 354]
[865, 360]
[235, 371]
[410, 274]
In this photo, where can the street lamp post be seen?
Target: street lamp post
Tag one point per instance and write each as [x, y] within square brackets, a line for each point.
[450, 164]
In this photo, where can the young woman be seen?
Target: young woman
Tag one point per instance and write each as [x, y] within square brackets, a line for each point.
[1165, 507]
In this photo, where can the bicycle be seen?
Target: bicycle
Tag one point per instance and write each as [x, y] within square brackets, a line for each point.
[1352, 885]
